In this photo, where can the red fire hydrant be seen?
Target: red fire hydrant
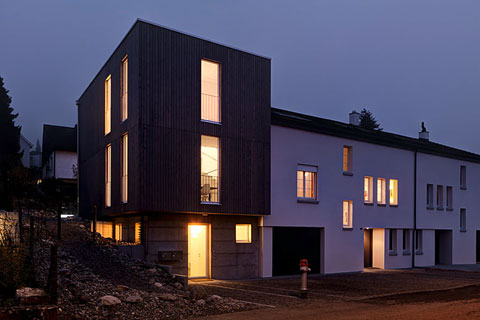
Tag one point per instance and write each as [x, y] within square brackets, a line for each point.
[304, 269]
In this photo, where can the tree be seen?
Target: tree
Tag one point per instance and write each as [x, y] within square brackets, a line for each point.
[9, 146]
[368, 121]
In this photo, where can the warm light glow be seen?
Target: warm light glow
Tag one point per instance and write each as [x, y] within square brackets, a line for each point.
[108, 176]
[307, 182]
[118, 232]
[210, 91]
[124, 163]
[347, 159]
[124, 89]
[393, 192]
[138, 232]
[347, 213]
[368, 190]
[105, 228]
[381, 185]
[243, 233]
[197, 251]
[108, 104]
[210, 173]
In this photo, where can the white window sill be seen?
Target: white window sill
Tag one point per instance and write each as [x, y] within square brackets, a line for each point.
[392, 253]
[463, 230]
[211, 203]
[449, 209]
[210, 121]
[394, 205]
[368, 203]
[463, 188]
[347, 173]
[381, 204]
[406, 253]
[430, 207]
[440, 208]
[347, 228]
[304, 200]
[418, 252]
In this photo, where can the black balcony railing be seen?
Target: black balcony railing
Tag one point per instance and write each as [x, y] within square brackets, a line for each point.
[209, 191]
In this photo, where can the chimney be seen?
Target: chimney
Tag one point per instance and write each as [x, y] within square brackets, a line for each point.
[354, 118]
[424, 134]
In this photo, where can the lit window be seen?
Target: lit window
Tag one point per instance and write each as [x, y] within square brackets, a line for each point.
[381, 186]
[210, 173]
[440, 197]
[243, 233]
[118, 232]
[406, 241]
[449, 198]
[307, 182]
[348, 214]
[392, 240]
[210, 91]
[429, 196]
[463, 177]
[108, 104]
[104, 228]
[138, 233]
[368, 190]
[393, 192]
[418, 241]
[124, 89]
[108, 176]
[347, 159]
[463, 219]
[124, 168]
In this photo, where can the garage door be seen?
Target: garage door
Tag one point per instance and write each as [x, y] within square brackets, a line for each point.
[292, 244]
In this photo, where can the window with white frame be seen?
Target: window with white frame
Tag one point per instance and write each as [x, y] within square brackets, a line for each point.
[463, 219]
[392, 241]
[381, 191]
[108, 175]
[368, 190]
[347, 213]
[406, 241]
[108, 104]
[393, 187]
[449, 198]
[439, 197]
[418, 242]
[429, 196]
[210, 91]
[306, 182]
[124, 89]
[347, 159]
[463, 177]
[243, 233]
[124, 168]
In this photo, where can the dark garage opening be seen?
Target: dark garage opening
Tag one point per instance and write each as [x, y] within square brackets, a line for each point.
[478, 246]
[292, 244]
[443, 246]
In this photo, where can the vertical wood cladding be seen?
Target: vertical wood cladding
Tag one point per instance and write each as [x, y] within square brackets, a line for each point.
[165, 129]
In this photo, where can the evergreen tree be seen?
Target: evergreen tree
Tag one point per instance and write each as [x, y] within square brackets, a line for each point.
[9, 146]
[368, 121]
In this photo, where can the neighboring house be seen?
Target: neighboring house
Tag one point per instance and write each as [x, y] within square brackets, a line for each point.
[25, 147]
[182, 159]
[174, 147]
[59, 155]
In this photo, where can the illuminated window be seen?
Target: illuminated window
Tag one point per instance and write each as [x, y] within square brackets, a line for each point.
[104, 228]
[124, 90]
[381, 186]
[463, 219]
[348, 214]
[440, 197]
[347, 159]
[108, 104]
[449, 198]
[406, 241]
[393, 192]
[210, 169]
[429, 196]
[463, 177]
[124, 168]
[392, 240]
[118, 232]
[210, 91]
[307, 182]
[138, 233]
[368, 190]
[243, 233]
[108, 176]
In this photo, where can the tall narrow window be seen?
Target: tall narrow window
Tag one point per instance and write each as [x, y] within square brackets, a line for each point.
[368, 190]
[138, 233]
[347, 214]
[306, 182]
[124, 90]
[392, 241]
[124, 168]
[429, 196]
[406, 241]
[210, 91]
[118, 232]
[419, 242]
[449, 198]
[210, 169]
[108, 104]
[347, 159]
[381, 186]
[440, 197]
[463, 219]
[463, 177]
[108, 176]
[393, 192]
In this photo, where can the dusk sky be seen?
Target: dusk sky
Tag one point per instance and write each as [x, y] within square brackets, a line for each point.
[407, 61]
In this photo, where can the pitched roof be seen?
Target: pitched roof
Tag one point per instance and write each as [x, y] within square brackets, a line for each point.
[58, 138]
[305, 122]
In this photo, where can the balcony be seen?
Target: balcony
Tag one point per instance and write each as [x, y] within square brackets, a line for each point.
[210, 108]
[209, 191]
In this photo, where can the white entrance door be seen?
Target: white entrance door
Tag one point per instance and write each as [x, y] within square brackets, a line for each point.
[198, 251]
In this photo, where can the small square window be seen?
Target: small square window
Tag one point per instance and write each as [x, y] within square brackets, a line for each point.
[368, 190]
[243, 233]
[381, 185]
[393, 192]
[347, 214]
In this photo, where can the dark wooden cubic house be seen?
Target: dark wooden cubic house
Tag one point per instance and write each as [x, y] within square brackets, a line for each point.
[174, 152]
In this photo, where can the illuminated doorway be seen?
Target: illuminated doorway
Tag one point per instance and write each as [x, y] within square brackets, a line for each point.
[198, 251]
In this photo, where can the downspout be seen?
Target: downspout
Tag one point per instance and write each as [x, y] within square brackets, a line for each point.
[414, 236]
